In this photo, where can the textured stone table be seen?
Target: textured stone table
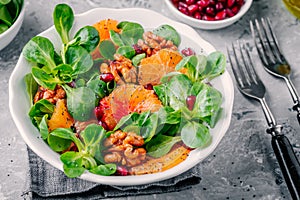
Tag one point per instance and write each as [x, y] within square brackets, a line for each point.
[242, 167]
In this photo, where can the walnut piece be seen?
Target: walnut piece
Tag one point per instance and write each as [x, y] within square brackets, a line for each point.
[153, 43]
[51, 95]
[125, 149]
[121, 68]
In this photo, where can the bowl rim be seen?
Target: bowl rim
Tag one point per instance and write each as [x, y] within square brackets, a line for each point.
[126, 180]
[15, 24]
[241, 12]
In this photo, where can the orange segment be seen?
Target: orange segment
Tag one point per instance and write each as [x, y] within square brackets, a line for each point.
[152, 73]
[143, 100]
[153, 68]
[104, 26]
[166, 57]
[173, 158]
[60, 117]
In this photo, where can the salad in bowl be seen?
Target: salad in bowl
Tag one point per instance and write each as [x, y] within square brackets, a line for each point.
[115, 98]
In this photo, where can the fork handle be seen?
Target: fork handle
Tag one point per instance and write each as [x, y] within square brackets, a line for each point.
[297, 108]
[288, 163]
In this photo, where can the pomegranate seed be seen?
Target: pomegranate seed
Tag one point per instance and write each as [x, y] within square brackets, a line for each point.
[197, 15]
[138, 49]
[203, 3]
[221, 15]
[149, 86]
[181, 4]
[210, 11]
[240, 2]
[72, 84]
[98, 112]
[192, 8]
[188, 51]
[235, 9]
[208, 18]
[229, 12]
[121, 171]
[189, 2]
[183, 10]
[73, 147]
[230, 3]
[190, 102]
[219, 6]
[107, 77]
[104, 125]
[212, 2]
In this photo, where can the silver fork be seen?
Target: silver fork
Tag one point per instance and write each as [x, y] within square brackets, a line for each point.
[250, 85]
[272, 58]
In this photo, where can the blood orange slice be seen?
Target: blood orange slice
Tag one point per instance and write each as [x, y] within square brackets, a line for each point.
[125, 99]
[119, 100]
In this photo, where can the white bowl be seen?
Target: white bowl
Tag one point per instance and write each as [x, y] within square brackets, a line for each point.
[7, 36]
[208, 25]
[19, 101]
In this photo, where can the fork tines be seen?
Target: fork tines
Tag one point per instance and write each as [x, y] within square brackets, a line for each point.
[266, 42]
[242, 65]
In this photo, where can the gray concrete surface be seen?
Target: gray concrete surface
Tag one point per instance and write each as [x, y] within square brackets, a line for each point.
[242, 167]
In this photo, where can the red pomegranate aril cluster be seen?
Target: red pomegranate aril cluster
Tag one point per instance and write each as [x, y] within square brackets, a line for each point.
[209, 10]
[190, 101]
[188, 51]
[107, 77]
[121, 171]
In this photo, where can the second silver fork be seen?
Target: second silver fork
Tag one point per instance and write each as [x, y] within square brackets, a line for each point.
[250, 85]
[272, 58]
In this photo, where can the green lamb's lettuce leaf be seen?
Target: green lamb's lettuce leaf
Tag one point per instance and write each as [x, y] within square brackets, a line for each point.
[31, 86]
[43, 127]
[40, 50]
[137, 59]
[161, 145]
[175, 91]
[107, 49]
[58, 144]
[39, 109]
[104, 170]
[200, 67]
[80, 102]
[207, 105]
[144, 124]
[44, 79]
[126, 51]
[5, 15]
[73, 164]
[87, 37]
[195, 135]
[79, 58]
[63, 17]
[9, 12]
[4, 2]
[131, 32]
[88, 156]
[169, 33]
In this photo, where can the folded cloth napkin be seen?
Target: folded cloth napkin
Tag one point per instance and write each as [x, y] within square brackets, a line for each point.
[47, 182]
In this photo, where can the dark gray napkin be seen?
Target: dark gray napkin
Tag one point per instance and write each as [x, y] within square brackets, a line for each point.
[47, 182]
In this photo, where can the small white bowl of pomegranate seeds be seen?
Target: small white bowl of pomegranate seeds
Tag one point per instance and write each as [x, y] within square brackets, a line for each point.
[209, 14]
